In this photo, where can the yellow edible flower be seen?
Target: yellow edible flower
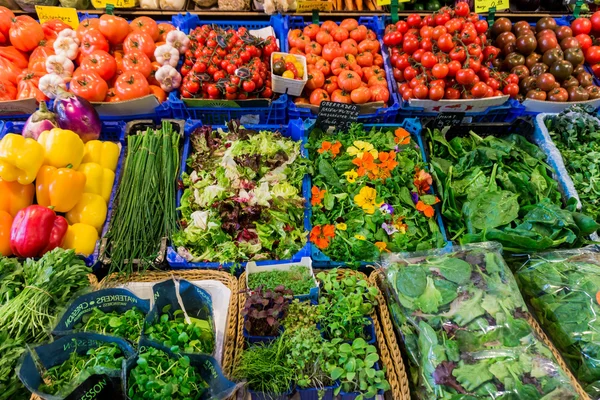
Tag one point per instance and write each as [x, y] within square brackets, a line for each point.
[360, 148]
[366, 199]
[351, 176]
[341, 226]
[360, 237]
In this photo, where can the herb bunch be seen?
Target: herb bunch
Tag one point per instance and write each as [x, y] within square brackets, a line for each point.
[308, 354]
[127, 325]
[157, 376]
[298, 279]
[62, 378]
[174, 332]
[300, 314]
[10, 352]
[265, 309]
[12, 279]
[146, 210]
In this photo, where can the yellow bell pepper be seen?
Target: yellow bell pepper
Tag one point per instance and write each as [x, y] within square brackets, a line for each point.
[60, 188]
[82, 238]
[20, 158]
[99, 180]
[103, 153]
[15, 196]
[62, 148]
[90, 210]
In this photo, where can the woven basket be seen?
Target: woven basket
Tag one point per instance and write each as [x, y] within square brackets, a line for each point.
[390, 337]
[384, 354]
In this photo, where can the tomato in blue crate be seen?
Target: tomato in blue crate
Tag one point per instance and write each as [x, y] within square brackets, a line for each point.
[229, 64]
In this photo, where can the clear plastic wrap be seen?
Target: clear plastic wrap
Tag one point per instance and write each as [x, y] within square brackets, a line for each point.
[563, 288]
[465, 328]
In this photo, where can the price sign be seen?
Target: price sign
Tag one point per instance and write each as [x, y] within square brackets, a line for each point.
[388, 2]
[448, 119]
[116, 3]
[482, 6]
[310, 5]
[337, 115]
[67, 15]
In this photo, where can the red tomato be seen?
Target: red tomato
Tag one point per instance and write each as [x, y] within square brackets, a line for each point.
[114, 28]
[479, 90]
[421, 92]
[436, 92]
[592, 54]
[340, 34]
[428, 60]
[360, 95]
[89, 85]
[340, 96]
[53, 27]
[131, 85]
[145, 24]
[446, 43]
[512, 89]
[595, 20]
[85, 25]
[92, 40]
[6, 17]
[8, 91]
[461, 9]
[317, 96]
[139, 41]
[440, 71]
[410, 44]
[414, 20]
[585, 41]
[163, 30]
[380, 93]
[465, 76]
[332, 50]
[452, 94]
[311, 31]
[25, 33]
[349, 80]
[100, 62]
[349, 24]
[581, 25]
[316, 79]
[137, 61]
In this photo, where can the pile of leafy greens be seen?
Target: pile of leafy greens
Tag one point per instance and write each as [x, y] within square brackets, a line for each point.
[564, 289]
[370, 194]
[243, 196]
[465, 329]
[576, 134]
[499, 189]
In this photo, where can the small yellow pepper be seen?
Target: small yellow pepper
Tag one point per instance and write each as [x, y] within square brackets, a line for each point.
[99, 180]
[14, 196]
[103, 153]
[90, 210]
[20, 158]
[60, 188]
[82, 238]
[62, 148]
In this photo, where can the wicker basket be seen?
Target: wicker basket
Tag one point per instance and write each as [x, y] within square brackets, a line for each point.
[395, 393]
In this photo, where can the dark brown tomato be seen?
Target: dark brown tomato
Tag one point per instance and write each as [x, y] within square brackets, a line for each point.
[561, 70]
[514, 59]
[521, 71]
[570, 43]
[505, 38]
[546, 23]
[546, 43]
[578, 93]
[570, 81]
[552, 56]
[545, 81]
[527, 84]
[574, 56]
[501, 25]
[545, 32]
[593, 91]
[558, 94]
[538, 69]
[578, 69]
[532, 59]
[526, 44]
[563, 32]
[585, 79]
[536, 94]
[509, 48]
[498, 63]
[521, 27]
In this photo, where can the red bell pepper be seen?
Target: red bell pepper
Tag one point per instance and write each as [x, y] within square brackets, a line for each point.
[36, 230]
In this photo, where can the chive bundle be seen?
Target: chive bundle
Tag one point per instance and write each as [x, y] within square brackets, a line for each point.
[146, 210]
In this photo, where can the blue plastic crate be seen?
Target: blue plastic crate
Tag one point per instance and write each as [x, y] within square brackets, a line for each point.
[414, 127]
[383, 115]
[111, 132]
[294, 130]
[274, 114]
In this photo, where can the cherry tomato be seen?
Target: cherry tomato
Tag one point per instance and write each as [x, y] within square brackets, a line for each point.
[465, 76]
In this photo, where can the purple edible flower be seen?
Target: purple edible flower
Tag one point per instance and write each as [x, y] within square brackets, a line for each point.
[389, 229]
[415, 197]
[386, 208]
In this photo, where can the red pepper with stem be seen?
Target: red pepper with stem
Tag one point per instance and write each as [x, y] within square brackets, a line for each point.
[36, 230]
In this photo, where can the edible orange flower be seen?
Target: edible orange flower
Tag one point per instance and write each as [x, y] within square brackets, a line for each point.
[334, 148]
[388, 160]
[320, 235]
[402, 136]
[365, 164]
[317, 195]
[422, 181]
[382, 246]
[426, 209]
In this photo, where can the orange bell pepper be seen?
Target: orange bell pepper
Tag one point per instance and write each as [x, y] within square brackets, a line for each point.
[60, 188]
[15, 196]
[5, 223]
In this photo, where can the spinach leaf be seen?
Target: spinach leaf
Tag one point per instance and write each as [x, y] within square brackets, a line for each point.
[411, 280]
[492, 209]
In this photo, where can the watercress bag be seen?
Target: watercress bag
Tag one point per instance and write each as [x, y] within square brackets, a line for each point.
[218, 387]
[563, 288]
[465, 327]
[102, 384]
[179, 299]
[106, 300]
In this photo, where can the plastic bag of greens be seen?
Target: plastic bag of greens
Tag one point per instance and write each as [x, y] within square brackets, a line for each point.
[181, 318]
[77, 366]
[563, 287]
[114, 312]
[465, 328]
[185, 377]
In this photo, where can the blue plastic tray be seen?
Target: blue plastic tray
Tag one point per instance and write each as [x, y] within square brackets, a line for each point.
[383, 115]
[412, 125]
[275, 114]
[111, 132]
[294, 130]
